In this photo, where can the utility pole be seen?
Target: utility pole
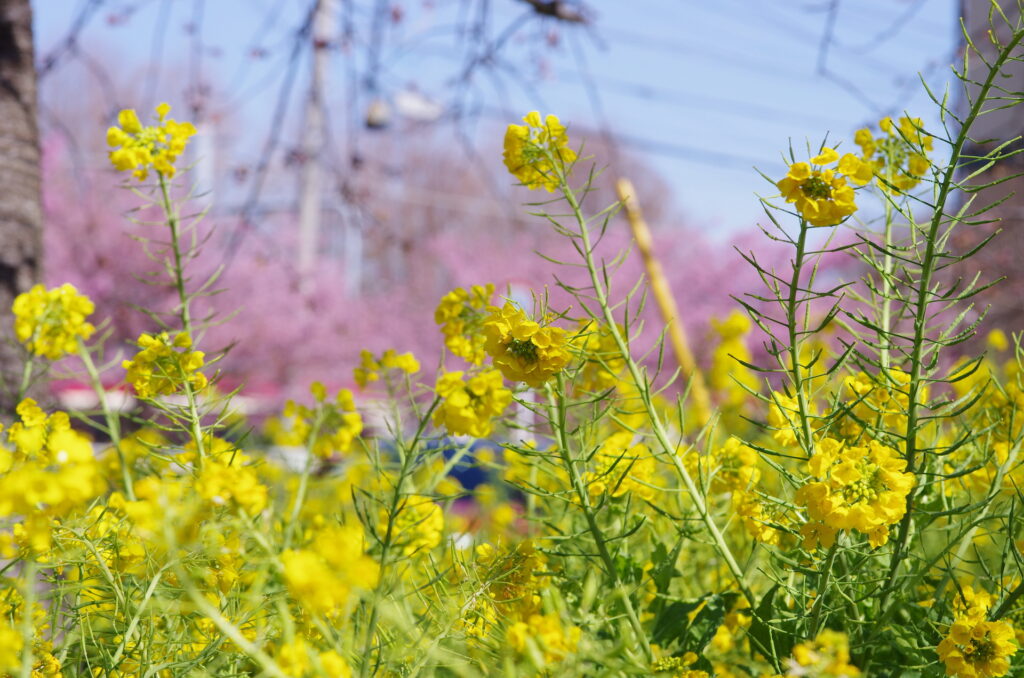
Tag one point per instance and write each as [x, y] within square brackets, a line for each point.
[313, 140]
[21, 212]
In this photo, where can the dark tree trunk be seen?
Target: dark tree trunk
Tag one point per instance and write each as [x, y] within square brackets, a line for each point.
[20, 208]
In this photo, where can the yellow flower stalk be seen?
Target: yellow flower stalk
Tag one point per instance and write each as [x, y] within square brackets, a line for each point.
[460, 315]
[977, 648]
[531, 151]
[523, 349]
[50, 322]
[469, 407]
[165, 365]
[823, 196]
[139, 148]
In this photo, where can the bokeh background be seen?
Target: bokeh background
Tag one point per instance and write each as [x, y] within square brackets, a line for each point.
[349, 151]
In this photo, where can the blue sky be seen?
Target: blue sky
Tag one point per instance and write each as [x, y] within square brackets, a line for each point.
[701, 89]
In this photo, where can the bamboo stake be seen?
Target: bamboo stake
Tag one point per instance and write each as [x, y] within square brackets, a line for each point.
[666, 302]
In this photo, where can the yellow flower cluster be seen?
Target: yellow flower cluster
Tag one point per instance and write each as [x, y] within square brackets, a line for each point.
[977, 648]
[512, 577]
[165, 365]
[13, 611]
[783, 418]
[861, 488]
[140, 148]
[543, 636]
[823, 196]
[899, 157]
[522, 349]
[125, 529]
[324, 577]
[538, 152]
[996, 396]
[468, 407]
[760, 517]
[330, 427]
[47, 474]
[49, 322]
[417, 526]
[972, 602]
[730, 467]
[371, 367]
[229, 481]
[880, 403]
[295, 659]
[728, 376]
[678, 667]
[460, 316]
[827, 655]
[622, 467]
[602, 361]
[10, 647]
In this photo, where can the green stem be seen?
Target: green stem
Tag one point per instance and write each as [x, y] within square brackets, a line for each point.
[28, 576]
[823, 582]
[300, 495]
[408, 454]
[113, 420]
[657, 426]
[26, 378]
[885, 321]
[922, 304]
[557, 417]
[130, 631]
[174, 224]
[184, 312]
[792, 321]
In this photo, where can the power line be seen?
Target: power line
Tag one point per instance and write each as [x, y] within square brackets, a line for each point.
[743, 109]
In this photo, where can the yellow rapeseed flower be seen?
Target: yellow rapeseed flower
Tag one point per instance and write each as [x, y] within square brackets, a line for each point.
[677, 667]
[371, 367]
[602, 361]
[622, 467]
[731, 467]
[326, 576]
[977, 648]
[49, 473]
[330, 427]
[879, 402]
[523, 349]
[759, 517]
[728, 376]
[49, 322]
[468, 407]
[229, 482]
[827, 655]
[417, 526]
[10, 647]
[861, 488]
[783, 418]
[822, 196]
[293, 658]
[537, 152]
[460, 315]
[139, 148]
[898, 157]
[972, 603]
[164, 365]
[544, 635]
